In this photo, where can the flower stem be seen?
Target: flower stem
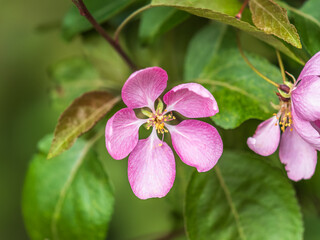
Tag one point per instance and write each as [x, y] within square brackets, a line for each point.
[239, 15]
[128, 19]
[281, 66]
[85, 12]
[251, 66]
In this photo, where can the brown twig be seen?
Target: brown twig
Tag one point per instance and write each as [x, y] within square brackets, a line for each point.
[85, 12]
[239, 15]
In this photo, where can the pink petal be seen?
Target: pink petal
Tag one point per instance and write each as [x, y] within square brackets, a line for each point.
[143, 87]
[151, 168]
[306, 130]
[312, 67]
[122, 133]
[266, 139]
[191, 100]
[197, 143]
[299, 156]
[306, 98]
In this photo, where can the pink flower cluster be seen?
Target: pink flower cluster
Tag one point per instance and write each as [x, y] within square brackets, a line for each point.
[151, 164]
[299, 119]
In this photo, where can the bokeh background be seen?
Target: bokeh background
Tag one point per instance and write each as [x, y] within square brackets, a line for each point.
[29, 42]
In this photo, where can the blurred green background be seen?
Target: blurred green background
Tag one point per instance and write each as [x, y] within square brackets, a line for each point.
[26, 50]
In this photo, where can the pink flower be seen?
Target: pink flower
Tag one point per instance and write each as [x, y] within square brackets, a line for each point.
[299, 120]
[151, 164]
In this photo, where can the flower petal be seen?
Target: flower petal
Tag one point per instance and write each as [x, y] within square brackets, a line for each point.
[191, 100]
[299, 156]
[306, 98]
[312, 67]
[306, 130]
[266, 139]
[122, 133]
[143, 87]
[197, 143]
[151, 168]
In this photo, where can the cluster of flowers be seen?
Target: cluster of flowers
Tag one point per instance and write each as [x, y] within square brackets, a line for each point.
[299, 120]
[151, 164]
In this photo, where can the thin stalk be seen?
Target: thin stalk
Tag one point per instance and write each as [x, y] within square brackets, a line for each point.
[283, 74]
[128, 19]
[85, 12]
[239, 15]
[251, 66]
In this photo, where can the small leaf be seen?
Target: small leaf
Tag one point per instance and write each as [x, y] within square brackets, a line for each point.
[75, 23]
[241, 94]
[157, 21]
[272, 19]
[242, 198]
[225, 11]
[80, 117]
[69, 198]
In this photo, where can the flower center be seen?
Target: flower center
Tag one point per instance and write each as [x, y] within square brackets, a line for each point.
[284, 116]
[158, 120]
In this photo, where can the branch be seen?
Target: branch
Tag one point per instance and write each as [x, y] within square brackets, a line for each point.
[85, 12]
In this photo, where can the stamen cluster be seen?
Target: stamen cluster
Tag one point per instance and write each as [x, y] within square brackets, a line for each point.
[158, 120]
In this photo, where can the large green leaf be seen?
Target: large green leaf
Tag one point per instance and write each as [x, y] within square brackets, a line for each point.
[159, 20]
[69, 197]
[242, 198]
[101, 10]
[271, 18]
[80, 117]
[224, 11]
[214, 61]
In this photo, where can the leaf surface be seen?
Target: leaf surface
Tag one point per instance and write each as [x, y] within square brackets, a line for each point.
[80, 117]
[272, 19]
[242, 198]
[214, 61]
[68, 198]
[225, 11]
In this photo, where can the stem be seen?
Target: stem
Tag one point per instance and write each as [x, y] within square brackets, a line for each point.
[251, 66]
[85, 12]
[281, 66]
[239, 15]
[131, 16]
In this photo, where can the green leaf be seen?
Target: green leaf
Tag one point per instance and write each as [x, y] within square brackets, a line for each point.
[214, 61]
[308, 27]
[75, 23]
[242, 198]
[272, 19]
[159, 20]
[225, 11]
[72, 77]
[80, 117]
[68, 198]
[311, 7]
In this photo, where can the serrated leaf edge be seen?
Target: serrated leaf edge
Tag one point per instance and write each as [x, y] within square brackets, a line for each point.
[295, 43]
